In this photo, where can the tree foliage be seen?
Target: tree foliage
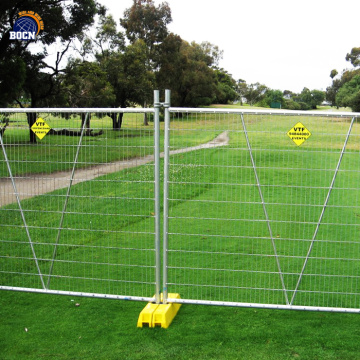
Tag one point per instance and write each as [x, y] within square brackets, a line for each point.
[108, 39]
[343, 90]
[349, 94]
[187, 70]
[354, 56]
[338, 83]
[144, 21]
[226, 87]
[12, 79]
[255, 93]
[241, 88]
[63, 20]
[310, 99]
[333, 73]
[274, 97]
[85, 84]
[317, 97]
[37, 78]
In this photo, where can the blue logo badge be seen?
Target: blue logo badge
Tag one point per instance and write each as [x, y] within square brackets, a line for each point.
[27, 26]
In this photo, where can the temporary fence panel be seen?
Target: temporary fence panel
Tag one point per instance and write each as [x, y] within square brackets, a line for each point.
[78, 208]
[263, 208]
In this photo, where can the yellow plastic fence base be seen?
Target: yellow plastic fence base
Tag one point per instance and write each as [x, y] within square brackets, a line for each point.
[159, 314]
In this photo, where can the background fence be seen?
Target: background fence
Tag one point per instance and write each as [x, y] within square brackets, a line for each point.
[77, 207]
[255, 219]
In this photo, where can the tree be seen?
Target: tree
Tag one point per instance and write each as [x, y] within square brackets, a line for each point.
[131, 79]
[288, 94]
[126, 67]
[333, 73]
[241, 88]
[273, 98]
[108, 39]
[332, 90]
[338, 83]
[310, 99]
[144, 21]
[198, 85]
[349, 94]
[213, 53]
[255, 93]
[318, 97]
[305, 98]
[186, 69]
[63, 21]
[171, 64]
[291, 104]
[85, 85]
[12, 79]
[346, 76]
[354, 56]
[41, 86]
[62, 18]
[226, 87]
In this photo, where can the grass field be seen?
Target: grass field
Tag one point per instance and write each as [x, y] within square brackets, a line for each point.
[51, 327]
[220, 247]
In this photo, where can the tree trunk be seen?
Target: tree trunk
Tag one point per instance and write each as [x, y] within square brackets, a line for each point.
[116, 120]
[68, 132]
[146, 122]
[2, 130]
[87, 125]
[113, 117]
[120, 120]
[31, 119]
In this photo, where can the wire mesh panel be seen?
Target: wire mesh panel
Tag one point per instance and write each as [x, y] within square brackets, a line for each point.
[265, 209]
[77, 206]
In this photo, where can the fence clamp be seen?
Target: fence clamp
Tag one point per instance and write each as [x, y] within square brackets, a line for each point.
[159, 105]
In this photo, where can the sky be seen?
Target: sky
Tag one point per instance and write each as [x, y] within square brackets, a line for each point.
[283, 44]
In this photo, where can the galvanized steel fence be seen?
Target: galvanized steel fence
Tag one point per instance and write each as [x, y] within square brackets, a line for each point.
[260, 208]
[268, 213]
[78, 208]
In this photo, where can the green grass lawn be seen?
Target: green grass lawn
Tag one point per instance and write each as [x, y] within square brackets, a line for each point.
[216, 224]
[106, 329]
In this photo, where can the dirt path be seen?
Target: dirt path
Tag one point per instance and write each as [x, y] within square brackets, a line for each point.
[38, 184]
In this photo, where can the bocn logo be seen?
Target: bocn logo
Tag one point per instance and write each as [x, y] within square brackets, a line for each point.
[27, 26]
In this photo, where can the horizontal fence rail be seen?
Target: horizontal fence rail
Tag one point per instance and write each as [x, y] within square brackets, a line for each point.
[77, 207]
[256, 219]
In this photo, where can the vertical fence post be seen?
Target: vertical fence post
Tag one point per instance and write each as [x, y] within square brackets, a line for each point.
[166, 193]
[157, 106]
